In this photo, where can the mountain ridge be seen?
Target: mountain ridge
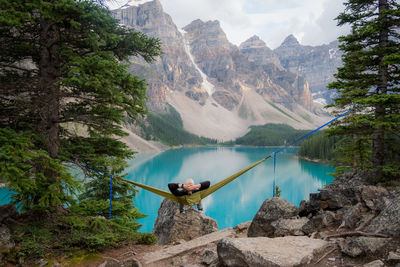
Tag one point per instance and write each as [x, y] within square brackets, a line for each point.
[218, 90]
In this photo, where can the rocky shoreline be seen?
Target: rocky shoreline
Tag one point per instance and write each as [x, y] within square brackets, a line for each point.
[2, 185]
[350, 222]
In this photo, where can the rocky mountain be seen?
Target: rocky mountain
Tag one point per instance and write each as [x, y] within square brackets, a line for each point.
[219, 89]
[316, 63]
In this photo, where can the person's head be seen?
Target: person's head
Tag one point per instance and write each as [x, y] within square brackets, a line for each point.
[189, 181]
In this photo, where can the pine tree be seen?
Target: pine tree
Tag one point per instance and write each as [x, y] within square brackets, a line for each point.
[369, 80]
[64, 83]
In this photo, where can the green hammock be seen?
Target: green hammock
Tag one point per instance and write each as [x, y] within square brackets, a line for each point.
[196, 197]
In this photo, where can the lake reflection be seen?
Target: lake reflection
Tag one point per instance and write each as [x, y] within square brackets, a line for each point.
[239, 200]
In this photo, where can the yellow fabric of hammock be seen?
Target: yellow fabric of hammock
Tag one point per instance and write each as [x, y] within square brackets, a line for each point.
[196, 197]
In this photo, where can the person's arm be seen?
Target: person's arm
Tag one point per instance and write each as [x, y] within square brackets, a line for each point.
[204, 185]
[174, 188]
[201, 186]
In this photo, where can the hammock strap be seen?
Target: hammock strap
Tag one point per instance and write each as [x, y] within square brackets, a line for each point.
[215, 187]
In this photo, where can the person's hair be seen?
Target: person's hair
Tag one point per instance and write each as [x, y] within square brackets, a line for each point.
[189, 181]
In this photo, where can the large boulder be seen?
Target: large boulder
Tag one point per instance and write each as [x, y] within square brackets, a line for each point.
[363, 245]
[172, 226]
[264, 251]
[271, 210]
[375, 197]
[388, 220]
[343, 192]
[298, 226]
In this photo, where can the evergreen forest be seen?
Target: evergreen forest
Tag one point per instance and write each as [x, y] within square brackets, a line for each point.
[65, 91]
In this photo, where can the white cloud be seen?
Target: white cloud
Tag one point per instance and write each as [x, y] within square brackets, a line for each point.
[311, 21]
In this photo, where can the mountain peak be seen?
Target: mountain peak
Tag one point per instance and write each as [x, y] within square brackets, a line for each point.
[136, 3]
[253, 42]
[290, 41]
[211, 27]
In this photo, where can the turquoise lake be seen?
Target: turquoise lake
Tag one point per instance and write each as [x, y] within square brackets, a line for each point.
[234, 203]
[239, 200]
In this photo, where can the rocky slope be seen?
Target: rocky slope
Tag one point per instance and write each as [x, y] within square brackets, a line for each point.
[316, 63]
[218, 88]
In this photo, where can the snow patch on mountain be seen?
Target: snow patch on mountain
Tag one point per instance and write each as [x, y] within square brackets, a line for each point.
[206, 84]
[135, 3]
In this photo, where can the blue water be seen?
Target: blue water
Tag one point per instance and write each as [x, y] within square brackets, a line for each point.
[5, 196]
[238, 201]
[234, 203]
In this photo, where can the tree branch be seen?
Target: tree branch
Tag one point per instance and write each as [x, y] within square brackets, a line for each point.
[356, 233]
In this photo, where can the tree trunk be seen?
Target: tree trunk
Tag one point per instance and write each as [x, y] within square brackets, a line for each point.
[378, 151]
[49, 91]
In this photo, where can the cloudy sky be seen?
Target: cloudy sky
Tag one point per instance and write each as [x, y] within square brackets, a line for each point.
[310, 21]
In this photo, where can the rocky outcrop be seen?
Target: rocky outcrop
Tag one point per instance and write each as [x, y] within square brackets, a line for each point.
[344, 192]
[264, 251]
[174, 70]
[259, 55]
[363, 245]
[316, 64]
[388, 220]
[258, 52]
[172, 226]
[273, 209]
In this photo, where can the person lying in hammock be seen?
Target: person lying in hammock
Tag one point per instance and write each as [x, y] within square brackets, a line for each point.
[188, 188]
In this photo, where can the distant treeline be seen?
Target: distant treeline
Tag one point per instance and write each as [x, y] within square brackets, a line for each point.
[168, 129]
[270, 135]
[319, 146]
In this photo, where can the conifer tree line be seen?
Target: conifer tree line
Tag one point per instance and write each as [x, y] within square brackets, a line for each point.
[369, 80]
[64, 92]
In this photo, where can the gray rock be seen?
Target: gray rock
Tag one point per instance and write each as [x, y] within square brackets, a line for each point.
[43, 263]
[113, 264]
[374, 197]
[393, 256]
[242, 226]
[5, 238]
[362, 245]
[353, 216]
[264, 251]
[131, 263]
[329, 218]
[345, 191]
[271, 210]
[376, 263]
[284, 227]
[172, 226]
[388, 221]
[209, 257]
